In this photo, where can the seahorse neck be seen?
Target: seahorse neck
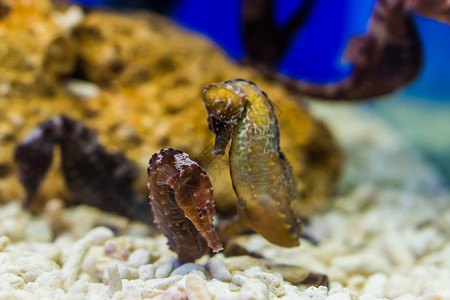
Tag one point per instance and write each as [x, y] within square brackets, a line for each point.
[257, 125]
[258, 109]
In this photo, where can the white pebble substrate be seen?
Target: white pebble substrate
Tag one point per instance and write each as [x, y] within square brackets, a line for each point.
[385, 236]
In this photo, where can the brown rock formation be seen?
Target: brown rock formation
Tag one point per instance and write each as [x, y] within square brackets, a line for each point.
[150, 75]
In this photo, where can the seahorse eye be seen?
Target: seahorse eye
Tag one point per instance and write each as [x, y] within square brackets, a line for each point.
[216, 124]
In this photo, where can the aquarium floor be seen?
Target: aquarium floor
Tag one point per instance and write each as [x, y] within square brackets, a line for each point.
[385, 235]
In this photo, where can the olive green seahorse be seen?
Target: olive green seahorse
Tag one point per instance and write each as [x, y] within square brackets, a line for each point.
[262, 177]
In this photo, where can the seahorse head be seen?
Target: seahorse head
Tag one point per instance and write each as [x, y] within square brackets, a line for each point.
[225, 103]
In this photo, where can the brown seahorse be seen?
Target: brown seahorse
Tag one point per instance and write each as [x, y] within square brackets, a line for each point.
[262, 177]
[387, 57]
[181, 199]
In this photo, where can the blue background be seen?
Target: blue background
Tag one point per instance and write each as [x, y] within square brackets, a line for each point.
[315, 53]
